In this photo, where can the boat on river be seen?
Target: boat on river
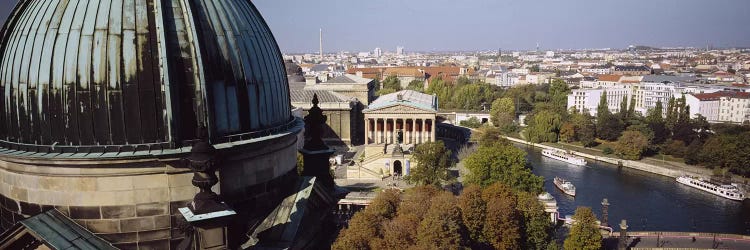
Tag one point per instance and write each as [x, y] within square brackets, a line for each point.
[564, 156]
[566, 186]
[731, 192]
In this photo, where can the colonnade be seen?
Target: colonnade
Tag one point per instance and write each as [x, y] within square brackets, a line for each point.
[385, 130]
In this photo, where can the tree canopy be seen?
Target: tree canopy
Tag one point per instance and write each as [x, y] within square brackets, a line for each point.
[544, 126]
[391, 84]
[495, 217]
[503, 114]
[631, 145]
[433, 160]
[504, 163]
[584, 234]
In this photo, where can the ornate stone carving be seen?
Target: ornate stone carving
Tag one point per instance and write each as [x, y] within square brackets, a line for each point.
[314, 122]
[202, 161]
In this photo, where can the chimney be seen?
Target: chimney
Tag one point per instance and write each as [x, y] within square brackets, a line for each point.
[311, 80]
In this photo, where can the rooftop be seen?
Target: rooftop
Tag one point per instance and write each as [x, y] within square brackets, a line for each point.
[609, 78]
[406, 97]
[306, 95]
[348, 79]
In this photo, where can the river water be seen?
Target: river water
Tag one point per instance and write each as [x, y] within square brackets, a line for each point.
[649, 202]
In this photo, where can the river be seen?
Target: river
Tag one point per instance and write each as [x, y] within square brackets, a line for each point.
[649, 202]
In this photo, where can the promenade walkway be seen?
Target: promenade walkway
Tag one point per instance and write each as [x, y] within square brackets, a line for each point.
[680, 240]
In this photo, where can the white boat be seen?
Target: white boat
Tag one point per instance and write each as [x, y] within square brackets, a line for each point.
[566, 186]
[564, 156]
[731, 192]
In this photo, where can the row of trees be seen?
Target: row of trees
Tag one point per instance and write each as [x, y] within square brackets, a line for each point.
[427, 217]
[462, 93]
[667, 130]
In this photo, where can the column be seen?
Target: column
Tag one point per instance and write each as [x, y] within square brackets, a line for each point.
[390, 132]
[433, 130]
[424, 131]
[381, 137]
[367, 131]
[377, 130]
[411, 127]
[385, 130]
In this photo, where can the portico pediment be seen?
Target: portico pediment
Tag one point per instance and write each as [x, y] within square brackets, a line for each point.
[398, 108]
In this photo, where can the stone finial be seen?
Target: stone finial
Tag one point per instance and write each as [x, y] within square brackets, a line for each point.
[314, 122]
[202, 160]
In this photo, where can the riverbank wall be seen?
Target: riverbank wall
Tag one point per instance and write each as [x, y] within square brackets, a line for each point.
[660, 170]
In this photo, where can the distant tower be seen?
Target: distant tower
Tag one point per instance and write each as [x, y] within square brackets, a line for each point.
[399, 50]
[321, 44]
[537, 46]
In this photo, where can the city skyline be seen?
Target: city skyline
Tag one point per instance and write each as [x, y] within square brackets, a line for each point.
[430, 25]
[509, 25]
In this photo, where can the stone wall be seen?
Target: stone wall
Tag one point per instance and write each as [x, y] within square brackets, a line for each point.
[133, 202]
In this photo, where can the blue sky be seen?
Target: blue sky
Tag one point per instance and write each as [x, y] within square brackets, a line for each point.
[446, 25]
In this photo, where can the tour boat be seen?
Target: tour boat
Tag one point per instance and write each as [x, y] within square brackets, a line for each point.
[565, 186]
[731, 192]
[564, 156]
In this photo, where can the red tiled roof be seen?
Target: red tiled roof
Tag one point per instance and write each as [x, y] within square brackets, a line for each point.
[609, 78]
[708, 96]
[717, 95]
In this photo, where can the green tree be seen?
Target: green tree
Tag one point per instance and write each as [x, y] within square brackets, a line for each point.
[558, 96]
[472, 122]
[584, 234]
[631, 145]
[503, 114]
[416, 85]
[655, 115]
[567, 132]
[544, 127]
[468, 97]
[442, 90]
[488, 135]
[392, 82]
[442, 226]
[534, 68]
[609, 127]
[623, 113]
[536, 224]
[602, 110]
[462, 80]
[655, 121]
[683, 130]
[672, 114]
[631, 108]
[503, 163]
[585, 128]
[524, 96]
[433, 161]
[502, 106]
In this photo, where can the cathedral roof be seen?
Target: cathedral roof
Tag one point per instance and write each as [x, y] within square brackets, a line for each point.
[113, 76]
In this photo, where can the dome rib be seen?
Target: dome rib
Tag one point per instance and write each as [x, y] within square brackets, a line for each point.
[120, 75]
